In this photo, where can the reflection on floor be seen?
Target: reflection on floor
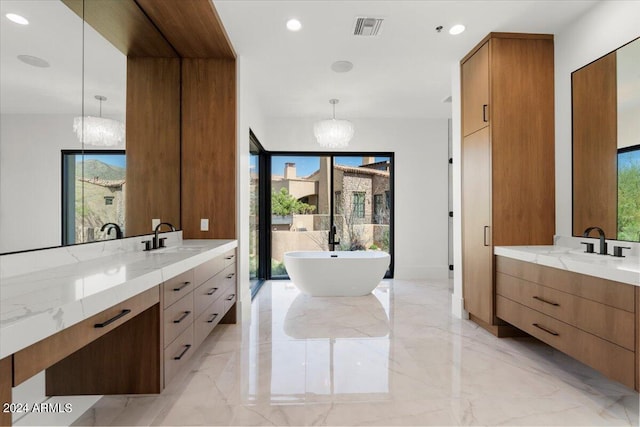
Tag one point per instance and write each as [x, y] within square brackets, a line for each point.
[396, 357]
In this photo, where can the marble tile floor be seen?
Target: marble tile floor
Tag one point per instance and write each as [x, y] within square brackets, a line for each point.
[396, 357]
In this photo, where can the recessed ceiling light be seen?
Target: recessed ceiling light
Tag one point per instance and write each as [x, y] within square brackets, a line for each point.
[294, 25]
[456, 29]
[17, 19]
[342, 66]
[34, 61]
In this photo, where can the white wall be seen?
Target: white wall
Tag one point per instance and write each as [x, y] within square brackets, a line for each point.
[30, 145]
[602, 29]
[421, 171]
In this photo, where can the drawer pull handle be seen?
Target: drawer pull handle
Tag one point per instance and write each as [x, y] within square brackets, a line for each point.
[212, 291]
[186, 348]
[181, 287]
[184, 316]
[231, 297]
[229, 257]
[230, 276]
[549, 331]
[547, 302]
[213, 317]
[484, 113]
[113, 319]
[486, 240]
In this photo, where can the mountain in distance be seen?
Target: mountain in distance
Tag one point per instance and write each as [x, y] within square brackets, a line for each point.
[95, 168]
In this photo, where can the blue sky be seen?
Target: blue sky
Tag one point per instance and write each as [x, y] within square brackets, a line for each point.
[306, 165]
[119, 160]
[628, 158]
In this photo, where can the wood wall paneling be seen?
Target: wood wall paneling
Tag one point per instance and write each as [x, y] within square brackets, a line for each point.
[153, 143]
[595, 136]
[124, 25]
[193, 27]
[209, 147]
[522, 133]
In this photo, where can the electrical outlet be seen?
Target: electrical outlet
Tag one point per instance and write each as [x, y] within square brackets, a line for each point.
[204, 224]
[154, 223]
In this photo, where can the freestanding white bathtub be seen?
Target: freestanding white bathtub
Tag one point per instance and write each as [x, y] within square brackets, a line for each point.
[336, 274]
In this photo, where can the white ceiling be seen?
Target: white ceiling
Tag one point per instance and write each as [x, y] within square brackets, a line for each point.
[404, 72]
[55, 34]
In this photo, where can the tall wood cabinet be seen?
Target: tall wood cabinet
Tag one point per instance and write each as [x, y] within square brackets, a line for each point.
[508, 180]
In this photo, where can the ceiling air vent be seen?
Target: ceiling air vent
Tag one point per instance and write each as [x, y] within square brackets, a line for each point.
[368, 27]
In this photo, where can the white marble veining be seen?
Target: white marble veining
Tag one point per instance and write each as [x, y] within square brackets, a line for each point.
[29, 261]
[396, 357]
[38, 304]
[625, 270]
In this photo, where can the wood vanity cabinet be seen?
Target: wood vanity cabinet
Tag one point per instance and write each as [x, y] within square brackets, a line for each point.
[591, 319]
[6, 367]
[136, 346]
[194, 303]
[508, 188]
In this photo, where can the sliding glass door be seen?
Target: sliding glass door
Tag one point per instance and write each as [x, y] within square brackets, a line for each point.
[329, 202]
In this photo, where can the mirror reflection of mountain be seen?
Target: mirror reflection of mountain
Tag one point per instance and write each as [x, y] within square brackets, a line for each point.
[93, 168]
[102, 188]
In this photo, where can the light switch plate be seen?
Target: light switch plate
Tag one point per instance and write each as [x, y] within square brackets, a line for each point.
[154, 223]
[204, 224]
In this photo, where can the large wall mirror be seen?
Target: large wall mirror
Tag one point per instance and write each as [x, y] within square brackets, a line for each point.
[66, 140]
[606, 144]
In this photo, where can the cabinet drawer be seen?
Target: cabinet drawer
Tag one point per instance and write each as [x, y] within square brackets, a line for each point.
[207, 270]
[207, 293]
[612, 360]
[228, 277]
[178, 353]
[208, 320]
[33, 359]
[229, 258]
[607, 322]
[229, 287]
[177, 287]
[177, 318]
[615, 294]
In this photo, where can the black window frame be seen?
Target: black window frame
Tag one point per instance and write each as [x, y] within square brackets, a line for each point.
[265, 226]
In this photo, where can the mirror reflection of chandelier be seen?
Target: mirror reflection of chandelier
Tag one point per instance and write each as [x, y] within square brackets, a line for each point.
[333, 133]
[99, 131]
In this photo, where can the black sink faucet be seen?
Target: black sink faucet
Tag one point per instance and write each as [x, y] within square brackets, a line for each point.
[159, 243]
[112, 226]
[603, 243]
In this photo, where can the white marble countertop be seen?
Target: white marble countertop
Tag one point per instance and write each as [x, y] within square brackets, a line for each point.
[36, 305]
[625, 270]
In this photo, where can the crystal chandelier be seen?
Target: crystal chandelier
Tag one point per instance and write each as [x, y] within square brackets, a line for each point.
[98, 130]
[333, 133]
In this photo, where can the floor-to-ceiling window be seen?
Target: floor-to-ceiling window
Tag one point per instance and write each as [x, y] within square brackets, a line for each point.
[312, 194]
[257, 209]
